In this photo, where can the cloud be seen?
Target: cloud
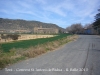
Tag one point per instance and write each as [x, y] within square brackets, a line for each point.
[59, 8]
[85, 7]
[61, 12]
[24, 4]
[41, 1]
[4, 11]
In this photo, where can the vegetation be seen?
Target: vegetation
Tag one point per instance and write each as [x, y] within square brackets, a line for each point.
[16, 51]
[11, 36]
[75, 28]
[96, 24]
[80, 29]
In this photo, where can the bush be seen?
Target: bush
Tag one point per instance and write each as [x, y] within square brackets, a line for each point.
[13, 37]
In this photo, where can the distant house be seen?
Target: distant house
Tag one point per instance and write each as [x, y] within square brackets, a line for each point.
[89, 31]
[41, 30]
[22, 31]
[2, 30]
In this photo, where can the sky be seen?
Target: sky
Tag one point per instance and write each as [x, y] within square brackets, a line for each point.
[61, 12]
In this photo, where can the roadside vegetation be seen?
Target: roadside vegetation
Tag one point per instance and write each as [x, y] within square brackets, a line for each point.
[13, 52]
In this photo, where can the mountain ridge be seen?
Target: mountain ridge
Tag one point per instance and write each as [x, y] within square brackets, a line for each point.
[13, 24]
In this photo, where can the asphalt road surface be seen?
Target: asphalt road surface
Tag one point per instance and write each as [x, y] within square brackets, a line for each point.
[80, 57]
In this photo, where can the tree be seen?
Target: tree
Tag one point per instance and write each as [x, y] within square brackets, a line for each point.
[89, 25]
[13, 37]
[75, 28]
[96, 24]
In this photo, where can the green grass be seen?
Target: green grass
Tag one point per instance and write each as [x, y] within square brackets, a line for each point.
[28, 43]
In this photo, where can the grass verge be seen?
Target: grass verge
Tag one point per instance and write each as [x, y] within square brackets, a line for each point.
[14, 55]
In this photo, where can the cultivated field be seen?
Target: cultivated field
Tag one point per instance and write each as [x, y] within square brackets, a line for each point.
[12, 52]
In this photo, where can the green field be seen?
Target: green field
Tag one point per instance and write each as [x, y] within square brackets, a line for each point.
[28, 43]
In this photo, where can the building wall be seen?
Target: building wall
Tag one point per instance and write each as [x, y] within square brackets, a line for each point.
[90, 31]
[46, 30]
[2, 31]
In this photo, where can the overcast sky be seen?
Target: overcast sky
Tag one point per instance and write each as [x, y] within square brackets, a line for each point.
[60, 12]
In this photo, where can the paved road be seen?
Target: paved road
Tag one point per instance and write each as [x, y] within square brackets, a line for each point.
[67, 60]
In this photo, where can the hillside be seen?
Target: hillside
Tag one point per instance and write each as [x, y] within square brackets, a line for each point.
[14, 24]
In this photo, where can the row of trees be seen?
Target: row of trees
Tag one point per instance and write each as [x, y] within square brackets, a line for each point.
[75, 28]
[78, 28]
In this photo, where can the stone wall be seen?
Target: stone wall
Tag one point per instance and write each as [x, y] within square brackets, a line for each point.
[25, 37]
[40, 30]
